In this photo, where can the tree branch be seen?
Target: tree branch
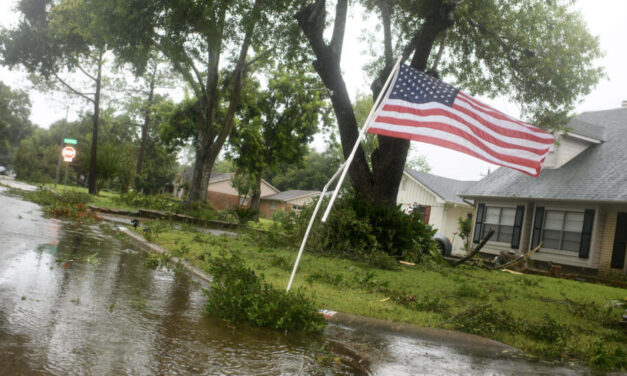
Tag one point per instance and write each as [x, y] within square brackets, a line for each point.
[84, 71]
[438, 57]
[339, 26]
[71, 89]
[185, 73]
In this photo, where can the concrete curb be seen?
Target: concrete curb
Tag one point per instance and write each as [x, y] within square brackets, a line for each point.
[466, 343]
[145, 245]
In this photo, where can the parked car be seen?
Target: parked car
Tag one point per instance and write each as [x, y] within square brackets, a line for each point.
[443, 243]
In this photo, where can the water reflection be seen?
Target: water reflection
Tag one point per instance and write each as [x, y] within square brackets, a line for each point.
[76, 300]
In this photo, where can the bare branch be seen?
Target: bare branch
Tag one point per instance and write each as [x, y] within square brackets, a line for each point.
[434, 67]
[84, 71]
[72, 90]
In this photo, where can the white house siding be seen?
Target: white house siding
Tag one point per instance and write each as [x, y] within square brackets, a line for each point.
[567, 149]
[551, 255]
[449, 225]
[410, 192]
[301, 201]
[443, 215]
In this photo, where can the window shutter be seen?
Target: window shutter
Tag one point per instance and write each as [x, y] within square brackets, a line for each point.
[518, 221]
[427, 214]
[537, 226]
[479, 223]
[586, 233]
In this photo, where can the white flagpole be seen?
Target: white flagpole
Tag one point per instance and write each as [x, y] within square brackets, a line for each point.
[350, 158]
[311, 221]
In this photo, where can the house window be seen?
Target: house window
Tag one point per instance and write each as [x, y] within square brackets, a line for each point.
[501, 220]
[562, 230]
[243, 201]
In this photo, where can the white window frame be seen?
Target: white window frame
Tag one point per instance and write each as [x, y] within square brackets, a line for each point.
[564, 211]
[485, 225]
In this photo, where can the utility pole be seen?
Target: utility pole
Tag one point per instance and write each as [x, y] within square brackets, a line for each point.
[56, 179]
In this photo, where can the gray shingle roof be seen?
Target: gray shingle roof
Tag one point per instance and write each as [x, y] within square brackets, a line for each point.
[587, 129]
[599, 173]
[219, 176]
[290, 195]
[448, 189]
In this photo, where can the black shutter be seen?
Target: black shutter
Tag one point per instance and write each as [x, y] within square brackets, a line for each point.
[537, 226]
[479, 223]
[518, 221]
[586, 233]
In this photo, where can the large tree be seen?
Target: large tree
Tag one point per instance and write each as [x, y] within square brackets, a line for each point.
[14, 122]
[277, 124]
[56, 41]
[537, 52]
[208, 44]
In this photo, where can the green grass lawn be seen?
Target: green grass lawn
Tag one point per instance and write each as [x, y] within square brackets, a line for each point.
[103, 199]
[549, 318]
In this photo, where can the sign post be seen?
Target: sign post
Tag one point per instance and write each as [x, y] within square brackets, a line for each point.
[68, 154]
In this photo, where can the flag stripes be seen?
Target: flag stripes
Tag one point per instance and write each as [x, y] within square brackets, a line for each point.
[419, 107]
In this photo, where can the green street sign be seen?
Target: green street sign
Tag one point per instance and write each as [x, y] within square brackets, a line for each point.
[70, 141]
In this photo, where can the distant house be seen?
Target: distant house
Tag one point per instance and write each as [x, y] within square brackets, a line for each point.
[222, 194]
[286, 201]
[577, 206]
[437, 197]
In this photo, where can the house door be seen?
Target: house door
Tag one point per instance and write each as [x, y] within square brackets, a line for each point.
[620, 242]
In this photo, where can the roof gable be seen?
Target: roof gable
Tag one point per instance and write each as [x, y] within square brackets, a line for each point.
[290, 195]
[445, 188]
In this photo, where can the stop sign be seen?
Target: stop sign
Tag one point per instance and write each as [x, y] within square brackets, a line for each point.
[68, 153]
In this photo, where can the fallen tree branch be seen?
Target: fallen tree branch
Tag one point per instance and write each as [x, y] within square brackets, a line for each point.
[519, 259]
[476, 250]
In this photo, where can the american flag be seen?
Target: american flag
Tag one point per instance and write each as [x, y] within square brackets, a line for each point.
[422, 108]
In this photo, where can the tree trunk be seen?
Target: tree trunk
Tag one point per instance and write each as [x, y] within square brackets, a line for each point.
[142, 148]
[93, 187]
[210, 144]
[379, 186]
[255, 198]
[198, 187]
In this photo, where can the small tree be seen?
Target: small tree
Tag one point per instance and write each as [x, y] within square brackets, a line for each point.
[463, 228]
[277, 123]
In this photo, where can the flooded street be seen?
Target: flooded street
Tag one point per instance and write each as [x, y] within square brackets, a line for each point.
[80, 301]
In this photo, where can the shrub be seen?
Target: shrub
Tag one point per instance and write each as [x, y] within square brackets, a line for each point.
[356, 228]
[238, 295]
[245, 215]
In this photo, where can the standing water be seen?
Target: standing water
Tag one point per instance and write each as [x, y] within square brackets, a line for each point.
[76, 300]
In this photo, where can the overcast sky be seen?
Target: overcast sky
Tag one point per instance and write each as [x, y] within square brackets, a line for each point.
[606, 18]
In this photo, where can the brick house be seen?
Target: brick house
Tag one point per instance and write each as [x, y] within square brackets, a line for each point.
[577, 206]
[222, 194]
[286, 201]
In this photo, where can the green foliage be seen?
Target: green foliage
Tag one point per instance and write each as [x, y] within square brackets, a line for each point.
[315, 171]
[483, 319]
[245, 215]
[156, 202]
[356, 228]
[466, 290]
[71, 205]
[463, 229]
[277, 124]
[15, 125]
[605, 357]
[238, 295]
